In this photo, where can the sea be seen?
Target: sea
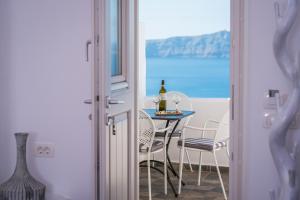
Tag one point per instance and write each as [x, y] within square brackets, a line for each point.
[196, 77]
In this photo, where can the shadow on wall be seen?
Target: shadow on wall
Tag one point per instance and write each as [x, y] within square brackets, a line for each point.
[7, 118]
[6, 58]
[7, 101]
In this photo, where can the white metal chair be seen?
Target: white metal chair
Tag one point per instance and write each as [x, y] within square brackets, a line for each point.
[148, 145]
[185, 104]
[206, 144]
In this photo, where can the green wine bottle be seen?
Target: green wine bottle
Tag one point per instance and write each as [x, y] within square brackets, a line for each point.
[162, 94]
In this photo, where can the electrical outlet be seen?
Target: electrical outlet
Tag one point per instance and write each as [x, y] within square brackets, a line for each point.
[270, 100]
[269, 118]
[45, 150]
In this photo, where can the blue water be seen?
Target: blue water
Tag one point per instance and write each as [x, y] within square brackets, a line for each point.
[205, 78]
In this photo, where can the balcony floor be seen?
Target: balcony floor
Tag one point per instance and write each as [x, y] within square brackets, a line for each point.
[210, 188]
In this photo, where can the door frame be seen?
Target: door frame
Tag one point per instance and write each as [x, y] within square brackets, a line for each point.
[237, 78]
[97, 6]
[99, 100]
[236, 106]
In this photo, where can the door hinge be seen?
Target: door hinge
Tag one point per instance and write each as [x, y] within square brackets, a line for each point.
[97, 40]
[97, 98]
[98, 166]
[233, 43]
[232, 102]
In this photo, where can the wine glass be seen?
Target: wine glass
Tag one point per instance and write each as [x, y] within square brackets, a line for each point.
[156, 101]
[176, 99]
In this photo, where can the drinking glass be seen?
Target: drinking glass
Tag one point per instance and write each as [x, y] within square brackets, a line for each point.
[156, 100]
[176, 99]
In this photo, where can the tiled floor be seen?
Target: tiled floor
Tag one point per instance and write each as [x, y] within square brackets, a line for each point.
[210, 188]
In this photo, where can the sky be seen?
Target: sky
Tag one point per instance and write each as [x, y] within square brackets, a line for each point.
[168, 18]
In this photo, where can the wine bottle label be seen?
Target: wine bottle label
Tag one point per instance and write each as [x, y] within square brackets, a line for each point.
[162, 96]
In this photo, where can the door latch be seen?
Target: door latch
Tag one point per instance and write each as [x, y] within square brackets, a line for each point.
[109, 101]
[109, 119]
[114, 130]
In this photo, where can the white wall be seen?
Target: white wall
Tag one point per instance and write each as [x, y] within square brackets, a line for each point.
[43, 82]
[262, 73]
[205, 109]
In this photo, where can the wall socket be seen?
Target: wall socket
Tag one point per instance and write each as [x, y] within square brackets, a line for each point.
[269, 118]
[270, 103]
[45, 150]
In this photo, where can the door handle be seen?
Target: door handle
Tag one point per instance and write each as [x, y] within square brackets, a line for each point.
[109, 119]
[87, 101]
[115, 101]
[110, 101]
[87, 44]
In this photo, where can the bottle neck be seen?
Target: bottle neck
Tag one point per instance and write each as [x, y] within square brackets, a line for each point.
[21, 166]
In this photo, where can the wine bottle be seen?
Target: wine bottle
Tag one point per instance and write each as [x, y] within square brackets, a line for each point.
[162, 94]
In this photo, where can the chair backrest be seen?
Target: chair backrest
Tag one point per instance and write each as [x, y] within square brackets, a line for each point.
[223, 128]
[184, 104]
[146, 131]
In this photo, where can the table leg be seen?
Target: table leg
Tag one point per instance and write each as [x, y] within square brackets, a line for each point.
[168, 157]
[157, 162]
[168, 178]
[170, 166]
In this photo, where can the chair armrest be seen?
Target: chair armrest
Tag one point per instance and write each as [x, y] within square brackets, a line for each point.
[166, 135]
[200, 129]
[163, 130]
[213, 120]
[216, 121]
[224, 140]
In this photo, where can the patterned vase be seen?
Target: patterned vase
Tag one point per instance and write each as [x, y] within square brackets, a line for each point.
[22, 186]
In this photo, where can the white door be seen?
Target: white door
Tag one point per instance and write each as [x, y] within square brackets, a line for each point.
[114, 55]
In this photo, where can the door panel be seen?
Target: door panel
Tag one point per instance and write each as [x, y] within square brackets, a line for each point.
[119, 158]
[116, 105]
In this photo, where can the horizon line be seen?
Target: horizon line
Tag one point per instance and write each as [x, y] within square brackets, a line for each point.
[164, 38]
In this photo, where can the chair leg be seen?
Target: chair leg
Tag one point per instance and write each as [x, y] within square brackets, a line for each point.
[220, 177]
[149, 177]
[165, 171]
[180, 168]
[227, 151]
[188, 158]
[153, 163]
[200, 168]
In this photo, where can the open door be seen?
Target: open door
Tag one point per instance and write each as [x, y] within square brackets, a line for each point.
[114, 102]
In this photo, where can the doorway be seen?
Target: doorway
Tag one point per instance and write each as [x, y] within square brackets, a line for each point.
[190, 51]
[107, 122]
